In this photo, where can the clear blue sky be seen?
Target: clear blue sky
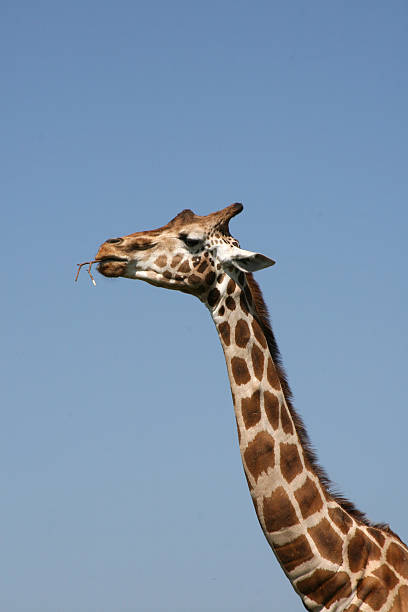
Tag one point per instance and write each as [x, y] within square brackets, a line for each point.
[122, 486]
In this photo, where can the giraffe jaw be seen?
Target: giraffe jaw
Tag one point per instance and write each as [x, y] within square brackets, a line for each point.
[113, 266]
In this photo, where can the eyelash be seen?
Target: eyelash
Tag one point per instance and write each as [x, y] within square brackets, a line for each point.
[190, 242]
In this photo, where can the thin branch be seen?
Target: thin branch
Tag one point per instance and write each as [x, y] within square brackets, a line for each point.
[89, 269]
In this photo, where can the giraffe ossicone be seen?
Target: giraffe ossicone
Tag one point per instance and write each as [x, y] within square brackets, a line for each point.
[334, 557]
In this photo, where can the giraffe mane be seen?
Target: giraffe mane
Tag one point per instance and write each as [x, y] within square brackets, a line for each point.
[262, 315]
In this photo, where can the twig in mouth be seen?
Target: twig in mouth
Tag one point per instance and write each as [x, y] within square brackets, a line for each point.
[89, 270]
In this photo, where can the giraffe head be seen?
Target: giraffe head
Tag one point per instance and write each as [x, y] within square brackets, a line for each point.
[188, 254]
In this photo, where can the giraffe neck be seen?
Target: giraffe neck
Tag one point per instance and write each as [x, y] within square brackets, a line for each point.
[323, 549]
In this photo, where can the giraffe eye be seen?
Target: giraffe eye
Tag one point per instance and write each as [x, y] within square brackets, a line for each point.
[190, 242]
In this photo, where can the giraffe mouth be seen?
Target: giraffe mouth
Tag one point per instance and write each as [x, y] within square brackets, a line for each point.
[112, 265]
[111, 258]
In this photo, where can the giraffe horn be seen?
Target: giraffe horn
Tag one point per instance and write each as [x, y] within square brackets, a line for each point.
[221, 218]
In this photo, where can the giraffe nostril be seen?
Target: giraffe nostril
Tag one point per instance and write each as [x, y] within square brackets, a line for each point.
[114, 240]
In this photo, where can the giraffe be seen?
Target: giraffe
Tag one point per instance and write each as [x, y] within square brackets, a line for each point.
[333, 556]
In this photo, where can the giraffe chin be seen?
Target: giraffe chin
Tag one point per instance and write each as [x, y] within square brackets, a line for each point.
[112, 269]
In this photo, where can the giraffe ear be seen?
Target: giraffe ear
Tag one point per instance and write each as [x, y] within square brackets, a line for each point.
[247, 261]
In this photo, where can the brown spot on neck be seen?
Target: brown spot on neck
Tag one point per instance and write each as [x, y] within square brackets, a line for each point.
[376, 533]
[259, 334]
[340, 519]
[386, 576]
[257, 362]
[278, 511]
[271, 405]
[225, 332]
[260, 454]
[242, 333]
[327, 541]
[230, 303]
[398, 558]
[286, 421]
[361, 550]
[210, 278]
[251, 409]
[290, 463]
[294, 553]
[309, 499]
[373, 592]
[231, 286]
[240, 371]
[401, 599]
[325, 587]
[272, 375]
[213, 297]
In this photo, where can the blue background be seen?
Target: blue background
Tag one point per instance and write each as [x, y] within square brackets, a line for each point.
[122, 486]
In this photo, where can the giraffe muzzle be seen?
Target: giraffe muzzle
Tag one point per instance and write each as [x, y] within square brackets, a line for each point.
[112, 265]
